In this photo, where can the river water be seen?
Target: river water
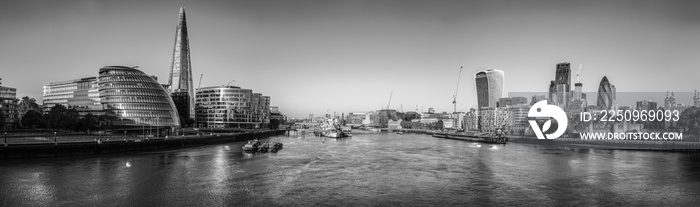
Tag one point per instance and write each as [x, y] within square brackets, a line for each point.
[382, 169]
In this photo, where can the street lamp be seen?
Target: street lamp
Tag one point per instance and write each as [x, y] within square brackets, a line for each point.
[5, 139]
[54, 139]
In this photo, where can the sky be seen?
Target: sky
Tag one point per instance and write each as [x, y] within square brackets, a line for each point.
[354, 56]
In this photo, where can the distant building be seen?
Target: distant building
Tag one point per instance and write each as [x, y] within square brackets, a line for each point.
[8, 106]
[278, 116]
[80, 94]
[511, 101]
[355, 118]
[646, 105]
[536, 99]
[471, 120]
[489, 87]
[232, 107]
[606, 94]
[274, 109]
[560, 87]
[491, 119]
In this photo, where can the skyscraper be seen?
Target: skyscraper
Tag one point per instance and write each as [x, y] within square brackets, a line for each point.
[606, 94]
[560, 87]
[180, 82]
[489, 87]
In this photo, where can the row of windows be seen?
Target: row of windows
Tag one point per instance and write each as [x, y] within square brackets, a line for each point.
[142, 78]
[123, 72]
[221, 101]
[134, 99]
[140, 106]
[125, 92]
[224, 95]
[153, 122]
[129, 85]
[143, 114]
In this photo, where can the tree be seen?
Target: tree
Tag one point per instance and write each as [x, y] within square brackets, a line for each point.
[25, 105]
[689, 120]
[57, 117]
[439, 124]
[190, 122]
[72, 119]
[88, 122]
[2, 119]
[274, 124]
[32, 119]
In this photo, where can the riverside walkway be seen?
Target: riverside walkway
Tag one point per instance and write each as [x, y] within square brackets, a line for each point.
[45, 145]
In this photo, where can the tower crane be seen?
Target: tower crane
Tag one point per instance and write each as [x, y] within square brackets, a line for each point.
[454, 100]
[390, 95]
[578, 73]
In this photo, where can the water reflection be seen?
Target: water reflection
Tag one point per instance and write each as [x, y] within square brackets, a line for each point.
[367, 169]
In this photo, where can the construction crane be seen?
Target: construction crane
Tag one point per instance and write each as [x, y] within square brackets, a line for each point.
[200, 81]
[390, 95]
[454, 100]
[229, 83]
[578, 73]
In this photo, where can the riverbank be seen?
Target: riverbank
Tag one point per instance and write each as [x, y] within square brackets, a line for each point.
[612, 144]
[683, 146]
[104, 145]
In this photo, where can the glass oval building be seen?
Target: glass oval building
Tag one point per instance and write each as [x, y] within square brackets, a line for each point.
[132, 98]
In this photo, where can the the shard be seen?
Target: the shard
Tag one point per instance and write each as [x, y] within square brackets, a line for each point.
[180, 81]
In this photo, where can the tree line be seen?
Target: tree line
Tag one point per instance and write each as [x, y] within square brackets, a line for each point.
[58, 117]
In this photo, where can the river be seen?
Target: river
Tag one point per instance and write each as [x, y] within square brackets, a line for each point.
[382, 169]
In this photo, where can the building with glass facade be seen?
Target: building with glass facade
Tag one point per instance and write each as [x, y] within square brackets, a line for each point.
[606, 94]
[489, 87]
[133, 99]
[180, 80]
[231, 107]
[80, 94]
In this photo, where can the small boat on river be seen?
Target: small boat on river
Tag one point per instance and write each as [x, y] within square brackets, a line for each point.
[276, 146]
[251, 146]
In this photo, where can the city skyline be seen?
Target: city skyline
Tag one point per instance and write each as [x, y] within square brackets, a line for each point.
[313, 57]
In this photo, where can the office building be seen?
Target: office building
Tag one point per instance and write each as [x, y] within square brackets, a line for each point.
[9, 108]
[180, 81]
[492, 119]
[231, 107]
[511, 101]
[647, 105]
[560, 87]
[80, 94]
[489, 87]
[606, 94]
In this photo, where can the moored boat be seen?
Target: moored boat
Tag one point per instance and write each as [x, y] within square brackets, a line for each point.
[251, 146]
[264, 147]
[276, 146]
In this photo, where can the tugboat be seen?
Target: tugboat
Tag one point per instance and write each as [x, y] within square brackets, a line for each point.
[251, 146]
[264, 147]
[277, 146]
